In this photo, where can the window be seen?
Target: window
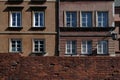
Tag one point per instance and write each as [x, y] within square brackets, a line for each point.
[71, 19]
[15, 45]
[102, 47]
[86, 47]
[71, 47]
[86, 18]
[38, 46]
[15, 19]
[102, 19]
[38, 19]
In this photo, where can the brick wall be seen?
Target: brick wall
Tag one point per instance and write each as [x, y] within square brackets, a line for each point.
[15, 67]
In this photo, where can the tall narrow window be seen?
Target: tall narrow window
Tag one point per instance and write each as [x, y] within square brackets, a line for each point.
[71, 19]
[102, 19]
[15, 19]
[38, 46]
[15, 45]
[102, 47]
[86, 47]
[38, 19]
[86, 19]
[71, 47]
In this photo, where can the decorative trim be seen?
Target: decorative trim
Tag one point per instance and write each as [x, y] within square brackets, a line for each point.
[29, 33]
[64, 29]
[82, 35]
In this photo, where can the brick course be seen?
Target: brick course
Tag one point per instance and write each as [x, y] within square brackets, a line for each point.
[15, 67]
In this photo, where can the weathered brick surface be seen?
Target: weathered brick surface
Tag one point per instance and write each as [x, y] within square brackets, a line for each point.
[15, 67]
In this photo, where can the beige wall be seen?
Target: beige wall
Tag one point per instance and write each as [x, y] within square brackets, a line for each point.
[27, 34]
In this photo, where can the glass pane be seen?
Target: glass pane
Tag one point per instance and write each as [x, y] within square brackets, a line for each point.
[36, 19]
[74, 47]
[84, 46]
[18, 49]
[41, 50]
[83, 24]
[99, 47]
[13, 49]
[89, 19]
[74, 19]
[13, 19]
[41, 19]
[68, 46]
[105, 47]
[36, 49]
[89, 47]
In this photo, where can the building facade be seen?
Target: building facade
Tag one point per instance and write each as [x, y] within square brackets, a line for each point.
[86, 27]
[117, 25]
[26, 27]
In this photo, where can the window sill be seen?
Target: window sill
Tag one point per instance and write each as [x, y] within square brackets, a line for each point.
[38, 0]
[14, 28]
[102, 54]
[37, 53]
[75, 54]
[86, 54]
[86, 28]
[38, 28]
[15, 0]
[16, 52]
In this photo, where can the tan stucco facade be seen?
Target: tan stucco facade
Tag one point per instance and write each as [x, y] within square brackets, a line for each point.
[27, 34]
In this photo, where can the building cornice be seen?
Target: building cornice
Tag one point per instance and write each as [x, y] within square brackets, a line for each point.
[29, 0]
[29, 33]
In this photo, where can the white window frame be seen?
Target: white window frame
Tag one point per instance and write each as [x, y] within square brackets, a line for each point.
[11, 21]
[102, 22]
[102, 47]
[71, 47]
[16, 45]
[38, 46]
[70, 19]
[84, 17]
[38, 19]
[86, 47]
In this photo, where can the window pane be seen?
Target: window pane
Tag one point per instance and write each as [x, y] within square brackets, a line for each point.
[71, 47]
[39, 46]
[86, 47]
[105, 47]
[83, 46]
[41, 19]
[102, 19]
[89, 47]
[74, 19]
[16, 19]
[102, 47]
[86, 19]
[16, 45]
[71, 19]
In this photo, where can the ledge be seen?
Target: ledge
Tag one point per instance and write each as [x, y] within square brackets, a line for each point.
[14, 28]
[37, 53]
[14, 8]
[37, 28]
[15, 0]
[38, 0]
[86, 28]
[38, 7]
